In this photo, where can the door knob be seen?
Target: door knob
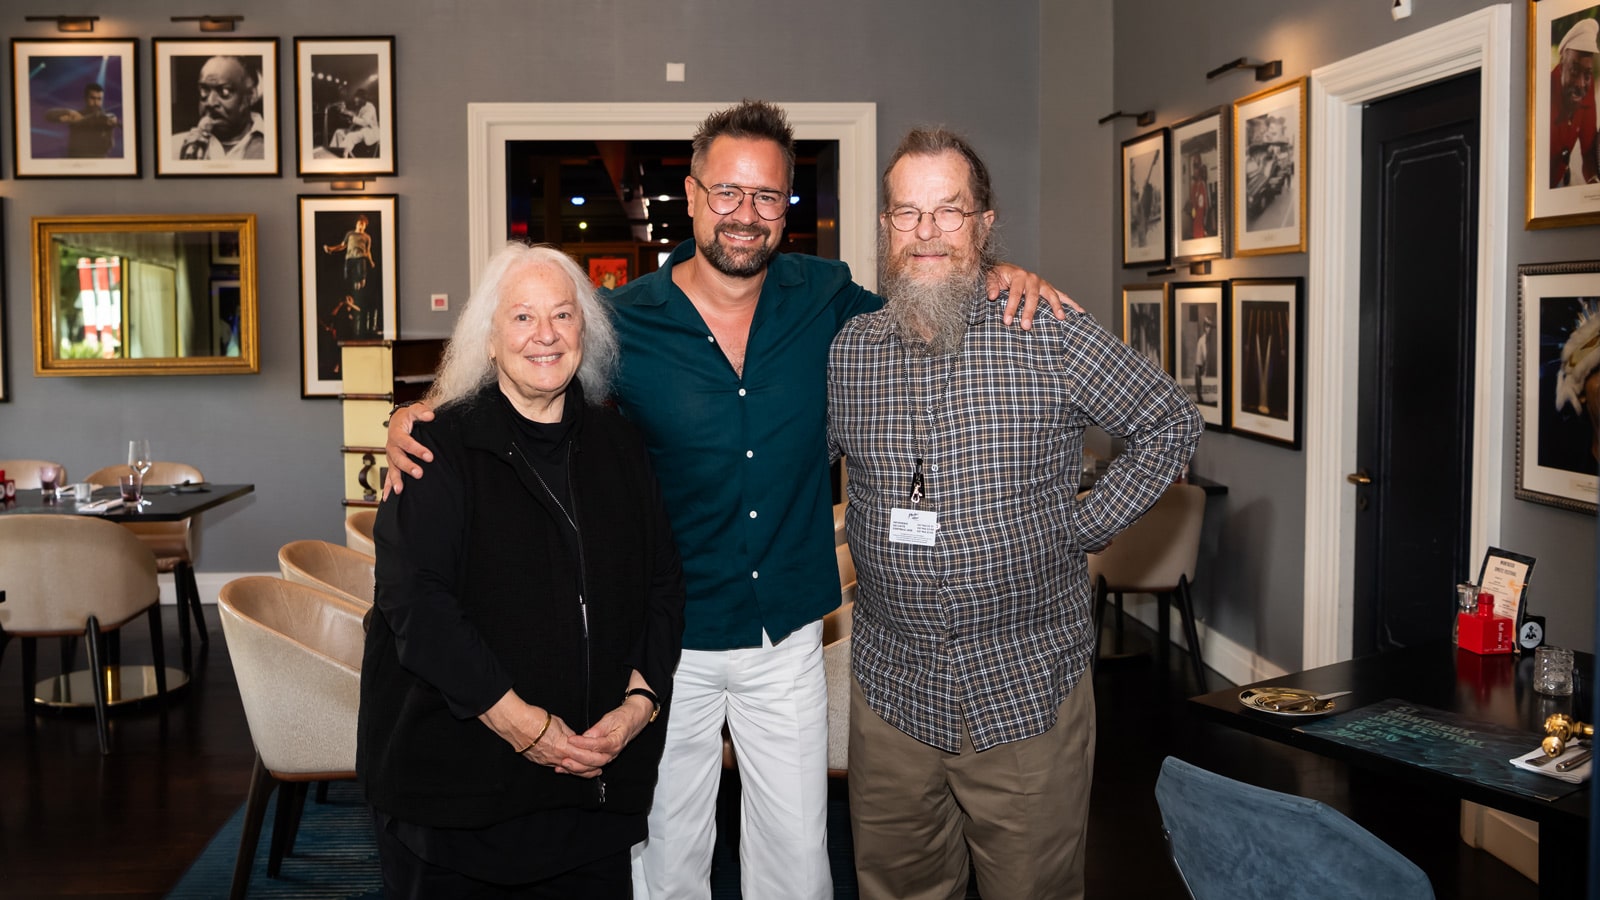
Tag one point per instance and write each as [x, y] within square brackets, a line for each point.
[1359, 477]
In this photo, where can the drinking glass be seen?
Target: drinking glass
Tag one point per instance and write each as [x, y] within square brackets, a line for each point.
[132, 488]
[140, 460]
[1552, 671]
[48, 475]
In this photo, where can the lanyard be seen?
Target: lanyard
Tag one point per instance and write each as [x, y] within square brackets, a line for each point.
[919, 435]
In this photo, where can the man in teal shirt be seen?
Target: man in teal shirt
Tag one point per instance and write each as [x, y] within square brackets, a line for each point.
[724, 367]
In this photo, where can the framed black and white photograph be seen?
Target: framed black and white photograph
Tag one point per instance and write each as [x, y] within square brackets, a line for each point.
[347, 282]
[1558, 384]
[1145, 326]
[1269, 171]
[1266, 363]
[216, 106]
[1201, 179]
[1200, 347]
[226, 308]
[1563, 146]
[344, 106]
[1144, 200]
[75, 108]
[5, 385]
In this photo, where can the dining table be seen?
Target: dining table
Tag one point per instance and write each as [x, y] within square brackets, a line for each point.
[1437, 718]
[162, 503]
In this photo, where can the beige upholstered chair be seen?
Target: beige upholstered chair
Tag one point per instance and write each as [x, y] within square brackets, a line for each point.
[1156, 555]
[838, 522]
[358, 531]
[25, 472]
[335, 569]
[65, 576]
[296, 654]
[175, 544]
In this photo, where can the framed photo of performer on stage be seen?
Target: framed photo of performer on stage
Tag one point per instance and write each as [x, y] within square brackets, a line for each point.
[1267, 363]
[347, 282]
[1145, 200]
[75, 108]
[216, 107]
[344, 106]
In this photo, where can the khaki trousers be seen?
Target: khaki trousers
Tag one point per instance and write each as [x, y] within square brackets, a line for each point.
[1021, 808]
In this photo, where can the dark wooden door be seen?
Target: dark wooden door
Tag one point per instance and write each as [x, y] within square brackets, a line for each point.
[1418, 303]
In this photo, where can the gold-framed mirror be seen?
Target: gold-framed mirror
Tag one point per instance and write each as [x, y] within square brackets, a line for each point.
[145, 295]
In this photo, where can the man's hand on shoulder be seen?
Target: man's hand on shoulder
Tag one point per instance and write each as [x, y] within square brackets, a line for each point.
[1027, 290]
[402, 449]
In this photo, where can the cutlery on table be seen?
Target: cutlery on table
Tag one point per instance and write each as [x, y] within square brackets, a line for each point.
[1310, 702]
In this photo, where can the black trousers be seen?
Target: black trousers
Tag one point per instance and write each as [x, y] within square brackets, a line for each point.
[407, 876]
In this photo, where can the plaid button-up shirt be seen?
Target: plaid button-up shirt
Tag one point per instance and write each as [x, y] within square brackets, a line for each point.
[990, 628]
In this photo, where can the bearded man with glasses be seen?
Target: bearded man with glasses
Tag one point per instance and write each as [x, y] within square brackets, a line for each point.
[724, 354]
[972, 707]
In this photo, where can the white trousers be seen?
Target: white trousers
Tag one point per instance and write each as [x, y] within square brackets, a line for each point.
[775, 701]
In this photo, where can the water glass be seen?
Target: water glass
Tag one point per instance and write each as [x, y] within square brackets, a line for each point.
[1552, 671]
[132, 488]
[48, 476]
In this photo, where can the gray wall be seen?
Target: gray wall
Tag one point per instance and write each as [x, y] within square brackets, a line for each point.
[1163, 50]
[970, 66]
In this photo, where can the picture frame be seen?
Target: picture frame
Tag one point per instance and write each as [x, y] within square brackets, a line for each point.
[1558, 384]
[75, 108]
[226, 300]
[1266, 368]
[342, 295]
[344, 106]
[1147, 323]
[231, 131]
[224, 249]
[1201, 349]
[1146, 206]
[1563, 154]
[1505, 576]
[1269, 171]
[1203, 184]
[5, 359]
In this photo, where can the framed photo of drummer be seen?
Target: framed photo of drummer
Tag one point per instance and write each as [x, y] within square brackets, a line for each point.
[216, 107]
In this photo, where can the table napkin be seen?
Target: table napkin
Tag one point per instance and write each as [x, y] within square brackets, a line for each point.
[97, 507]
[1574, 776]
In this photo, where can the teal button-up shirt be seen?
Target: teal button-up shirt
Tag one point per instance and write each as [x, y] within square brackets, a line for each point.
[742, 462]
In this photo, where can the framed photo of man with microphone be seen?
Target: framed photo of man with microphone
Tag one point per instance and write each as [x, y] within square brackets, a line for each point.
[216, 107]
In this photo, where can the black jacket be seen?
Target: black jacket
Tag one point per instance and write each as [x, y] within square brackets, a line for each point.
[478, 592]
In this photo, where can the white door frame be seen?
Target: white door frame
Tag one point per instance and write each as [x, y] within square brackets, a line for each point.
[491, 125]
[1482, 41]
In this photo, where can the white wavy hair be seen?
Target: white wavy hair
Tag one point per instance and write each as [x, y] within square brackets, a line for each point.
[466, 366]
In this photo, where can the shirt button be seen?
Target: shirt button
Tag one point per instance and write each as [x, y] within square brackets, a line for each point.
[741, 392]
[711, 338]
[755, 574]
[749, 454]
[933, 467]
[752, 514]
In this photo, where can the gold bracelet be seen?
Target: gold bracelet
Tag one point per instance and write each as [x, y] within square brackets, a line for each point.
[536, 738]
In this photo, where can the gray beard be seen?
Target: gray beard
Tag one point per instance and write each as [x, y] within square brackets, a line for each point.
[930, 317]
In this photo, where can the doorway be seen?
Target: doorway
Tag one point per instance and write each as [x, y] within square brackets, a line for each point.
[1419, 217]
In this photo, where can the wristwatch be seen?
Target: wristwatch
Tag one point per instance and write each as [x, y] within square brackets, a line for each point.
[655, 702]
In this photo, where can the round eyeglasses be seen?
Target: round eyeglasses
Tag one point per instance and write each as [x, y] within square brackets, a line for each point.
[724, 199]
[946, 218]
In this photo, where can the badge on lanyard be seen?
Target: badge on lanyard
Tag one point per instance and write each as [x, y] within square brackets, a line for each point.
[913, 526]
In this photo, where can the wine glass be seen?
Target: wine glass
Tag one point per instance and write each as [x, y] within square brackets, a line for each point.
[140, 461]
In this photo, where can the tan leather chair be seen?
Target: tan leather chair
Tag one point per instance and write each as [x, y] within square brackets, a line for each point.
[65, 576]
[358, 531]
[175, 544]
[330, 567]
[296, 653]
[838, 522]
[25, 472]
[1156, 555]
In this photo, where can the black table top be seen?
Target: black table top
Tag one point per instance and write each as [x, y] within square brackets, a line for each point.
[1491, 689]
[168, 503]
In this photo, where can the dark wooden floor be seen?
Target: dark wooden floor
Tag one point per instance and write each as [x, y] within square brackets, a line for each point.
[76, 824]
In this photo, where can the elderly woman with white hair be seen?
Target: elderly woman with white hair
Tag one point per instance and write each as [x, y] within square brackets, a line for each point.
[529, 612]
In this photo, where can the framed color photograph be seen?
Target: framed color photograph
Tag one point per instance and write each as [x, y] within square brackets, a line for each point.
[1201, 179]
[1144, 201]
[1201, 347]
[1269, 171]
[1558, 384]
[75, 108]
[1563, 147]
[347, 282]
[1266, 365]
[216, 106]
[1145, 326]
[344, 106]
